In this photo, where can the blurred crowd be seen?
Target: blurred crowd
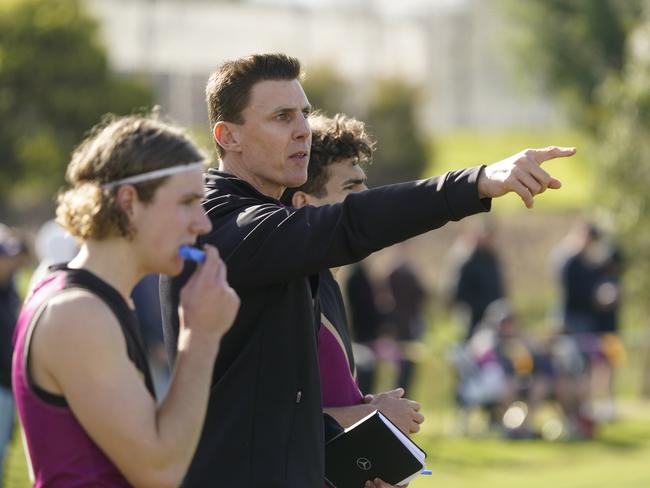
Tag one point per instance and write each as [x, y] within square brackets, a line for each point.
[500, 369]
[510, 373]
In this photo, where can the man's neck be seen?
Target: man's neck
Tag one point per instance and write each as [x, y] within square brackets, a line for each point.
[238, 169]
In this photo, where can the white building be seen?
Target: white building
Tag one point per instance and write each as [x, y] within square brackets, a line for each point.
[453, 48]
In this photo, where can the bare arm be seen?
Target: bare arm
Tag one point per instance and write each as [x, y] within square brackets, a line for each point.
[86, 361]
[404, 413]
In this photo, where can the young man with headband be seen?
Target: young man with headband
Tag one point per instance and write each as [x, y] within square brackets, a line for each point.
[264, 425]
[80, 376]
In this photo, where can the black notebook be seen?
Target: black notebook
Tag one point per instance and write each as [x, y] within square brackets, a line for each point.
[372, 448]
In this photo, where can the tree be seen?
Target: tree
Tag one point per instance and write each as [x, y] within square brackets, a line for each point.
[572, 46]
[55, 83]
[597, 51]
[624, 152]
[402, 151]
[389, 109]
[326, 90]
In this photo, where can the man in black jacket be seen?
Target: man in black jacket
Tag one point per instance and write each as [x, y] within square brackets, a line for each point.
[264, 425]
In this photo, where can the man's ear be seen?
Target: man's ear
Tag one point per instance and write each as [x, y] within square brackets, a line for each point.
[227, 136]
[300, 199]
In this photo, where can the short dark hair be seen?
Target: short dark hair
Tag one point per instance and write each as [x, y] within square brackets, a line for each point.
[333, 140]
[116, 148]
[229, 87]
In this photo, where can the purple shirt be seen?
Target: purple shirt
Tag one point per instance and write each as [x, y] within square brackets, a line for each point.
[338, 386]
[60, 451]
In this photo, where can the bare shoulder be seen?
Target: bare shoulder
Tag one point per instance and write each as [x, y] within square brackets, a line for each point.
[75, 318]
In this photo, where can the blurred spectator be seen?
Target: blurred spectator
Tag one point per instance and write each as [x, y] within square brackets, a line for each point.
[147, 308]
[589, 268]
[612, 352]
[481, 379]
[572, 387]
[505, 373]
[13, 253]
[365, 321]
[406, 316]
[527, 367]
[608, 291]
[579, 257]
[478, 279]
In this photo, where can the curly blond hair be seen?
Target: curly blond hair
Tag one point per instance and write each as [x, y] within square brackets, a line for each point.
[116, 148]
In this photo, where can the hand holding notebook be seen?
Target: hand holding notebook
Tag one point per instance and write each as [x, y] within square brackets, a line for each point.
[372, 448]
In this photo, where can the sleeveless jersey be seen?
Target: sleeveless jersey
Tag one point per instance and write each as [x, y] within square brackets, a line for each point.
[336, 362]
[61, 453]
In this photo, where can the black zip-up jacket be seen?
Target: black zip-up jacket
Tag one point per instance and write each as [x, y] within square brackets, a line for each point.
[264, 425]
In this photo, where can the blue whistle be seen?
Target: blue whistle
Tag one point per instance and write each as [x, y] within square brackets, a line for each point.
[192, 254]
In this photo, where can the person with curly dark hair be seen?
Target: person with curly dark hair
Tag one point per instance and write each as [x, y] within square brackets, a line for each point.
[340, 146]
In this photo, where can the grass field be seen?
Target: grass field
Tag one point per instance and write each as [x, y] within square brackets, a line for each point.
[618, 458]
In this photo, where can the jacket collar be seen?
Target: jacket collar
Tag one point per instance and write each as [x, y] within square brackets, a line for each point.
[220, 183]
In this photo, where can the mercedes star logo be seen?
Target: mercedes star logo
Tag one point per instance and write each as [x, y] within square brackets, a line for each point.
[363, 463]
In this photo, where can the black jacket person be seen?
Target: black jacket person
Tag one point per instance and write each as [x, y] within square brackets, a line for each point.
[264, 426]
[264, 423]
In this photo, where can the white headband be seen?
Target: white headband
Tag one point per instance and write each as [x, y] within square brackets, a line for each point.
[152, 175]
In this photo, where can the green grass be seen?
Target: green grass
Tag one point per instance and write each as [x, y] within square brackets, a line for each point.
[465, 148]
[617, 458]
[15, 468]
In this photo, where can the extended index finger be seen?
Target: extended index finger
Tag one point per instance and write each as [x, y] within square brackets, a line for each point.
[551, 152]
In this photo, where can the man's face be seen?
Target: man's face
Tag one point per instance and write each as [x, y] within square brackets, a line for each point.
[275, 138]
[345, 177]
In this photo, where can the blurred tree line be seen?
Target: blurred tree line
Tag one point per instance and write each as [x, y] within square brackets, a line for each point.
[390, 110]
[55, 83]
[595, 55]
